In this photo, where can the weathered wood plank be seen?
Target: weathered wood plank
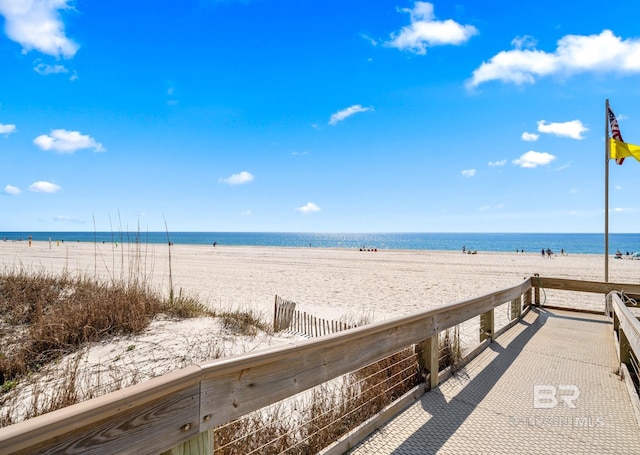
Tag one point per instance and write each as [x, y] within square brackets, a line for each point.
[160, 414]
[628, 324]
[131, 419]
[585, 286]
[201, 444]
[487, 326]
[233, 387]
[427, 353]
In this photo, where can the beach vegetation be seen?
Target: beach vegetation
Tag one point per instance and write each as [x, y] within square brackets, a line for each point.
[313, 421]
[48, 320]
[244, 322]
[449, 348]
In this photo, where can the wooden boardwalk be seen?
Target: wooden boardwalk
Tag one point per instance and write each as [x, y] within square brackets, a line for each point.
[548, 385]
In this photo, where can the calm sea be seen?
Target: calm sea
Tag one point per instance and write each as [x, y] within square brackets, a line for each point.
[503, 242]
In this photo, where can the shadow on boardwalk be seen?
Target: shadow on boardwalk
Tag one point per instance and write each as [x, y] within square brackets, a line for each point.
[448, 416]
[489, 406]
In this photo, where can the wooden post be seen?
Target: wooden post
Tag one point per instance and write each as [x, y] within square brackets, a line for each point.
[516, 308]
[526, 299]
[202, 444]
[275, 315]
[536, 291]
[427, 352]
[486, 325]
[624, 344]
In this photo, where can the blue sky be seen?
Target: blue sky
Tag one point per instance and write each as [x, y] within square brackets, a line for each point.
[357, 116]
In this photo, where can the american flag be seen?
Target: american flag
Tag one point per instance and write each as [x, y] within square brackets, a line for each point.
[615, 131]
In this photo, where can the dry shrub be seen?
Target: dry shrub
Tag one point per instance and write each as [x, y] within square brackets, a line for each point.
[57, 314]
[449, 348]
[44, 317]
[243, 322]
[330, 411]
[267, 432]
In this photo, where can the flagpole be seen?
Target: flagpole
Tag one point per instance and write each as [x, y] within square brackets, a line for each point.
[606, 191]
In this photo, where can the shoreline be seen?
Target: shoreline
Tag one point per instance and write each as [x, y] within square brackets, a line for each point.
[485, 242]
[128, 244]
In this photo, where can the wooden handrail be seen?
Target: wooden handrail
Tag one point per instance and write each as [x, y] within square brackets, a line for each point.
[627, 323]
[584, 286]
[161, 413]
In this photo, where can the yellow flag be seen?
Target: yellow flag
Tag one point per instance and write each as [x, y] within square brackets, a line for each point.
[619, 149]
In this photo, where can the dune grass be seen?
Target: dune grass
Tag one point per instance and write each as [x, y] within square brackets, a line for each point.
[45, 317]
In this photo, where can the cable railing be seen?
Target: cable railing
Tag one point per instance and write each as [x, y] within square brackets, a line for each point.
[187, 408]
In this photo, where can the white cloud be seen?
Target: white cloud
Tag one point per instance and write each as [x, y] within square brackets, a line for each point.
[348, 112]
[497, 163]
[529, 137]
[44, 187]
[309, 208]
[45, 70]
[64, 141]
[533, 159]
[13, 190]
[238, 179]
[572, 129]
[563, 167]
[469, 172]
[524, 42]
[603, 53]
[7, 129]
[300, 153]
[369, 39]
[36, 24]
[424, 31]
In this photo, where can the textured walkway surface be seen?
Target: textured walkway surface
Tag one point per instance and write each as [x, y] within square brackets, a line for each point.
[548, 385]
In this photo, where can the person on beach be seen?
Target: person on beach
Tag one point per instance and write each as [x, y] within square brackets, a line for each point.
[542, 252]
[463, 249]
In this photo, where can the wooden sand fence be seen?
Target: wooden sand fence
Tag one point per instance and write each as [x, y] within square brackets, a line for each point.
[177, 413]
[286, 317]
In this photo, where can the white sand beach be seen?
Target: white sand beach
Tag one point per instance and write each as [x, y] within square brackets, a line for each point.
[325, 282]
[333, 284]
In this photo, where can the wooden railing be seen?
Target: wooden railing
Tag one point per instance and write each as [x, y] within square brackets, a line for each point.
[627, 330]
[176, 411]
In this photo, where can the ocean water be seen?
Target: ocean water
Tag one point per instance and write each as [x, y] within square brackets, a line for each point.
[498, 242]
